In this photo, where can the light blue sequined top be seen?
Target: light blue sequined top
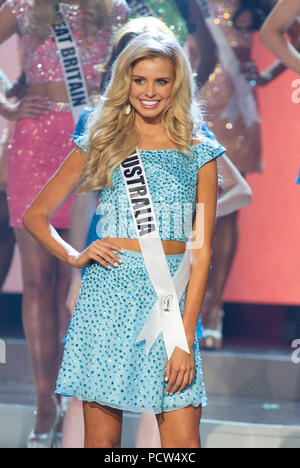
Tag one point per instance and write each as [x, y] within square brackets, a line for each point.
[172, 179]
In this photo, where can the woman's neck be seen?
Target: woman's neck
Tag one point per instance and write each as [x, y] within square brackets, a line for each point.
[152, 135]
[148, 127]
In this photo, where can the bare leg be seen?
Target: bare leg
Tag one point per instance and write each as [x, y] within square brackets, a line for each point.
[148, 435]
[73, 429]
[180, 428]
[40, 275]
[103, 426]
[224, 249]
[7, 240]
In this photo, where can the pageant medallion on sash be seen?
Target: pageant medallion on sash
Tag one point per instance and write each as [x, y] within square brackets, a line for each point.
[165, 316]
[71, 65]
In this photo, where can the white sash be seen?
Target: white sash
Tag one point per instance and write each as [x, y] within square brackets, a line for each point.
[165, 316]
[71, 65]
[242, 102]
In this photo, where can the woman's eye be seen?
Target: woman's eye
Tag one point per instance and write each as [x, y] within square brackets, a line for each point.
[163, 82]
[138, 80]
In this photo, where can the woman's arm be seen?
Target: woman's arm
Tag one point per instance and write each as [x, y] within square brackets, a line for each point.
[208, 49]
[266, 76]
[235, 192]
[201, 246]
[180, 368]
[57, 190]
[8, 23]
[272, 33]
[30, 107]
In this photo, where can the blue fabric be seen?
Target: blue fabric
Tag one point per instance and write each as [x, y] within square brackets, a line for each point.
[172, 180]
[298, 180]
[98, 229]
[102, 362]
[210, 148]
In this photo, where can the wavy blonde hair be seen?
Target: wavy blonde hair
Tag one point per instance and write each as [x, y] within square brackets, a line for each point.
[111, 134]
[129, 31]
[96, 15]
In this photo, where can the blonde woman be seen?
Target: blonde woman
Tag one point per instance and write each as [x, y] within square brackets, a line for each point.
[234, 193]
[37, 149]
[149, 104]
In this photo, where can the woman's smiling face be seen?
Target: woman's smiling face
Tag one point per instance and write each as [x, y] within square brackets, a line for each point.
[152, 85]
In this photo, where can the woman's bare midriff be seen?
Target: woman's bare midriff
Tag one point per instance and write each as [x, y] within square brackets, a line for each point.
[55, 92]
[170, 247]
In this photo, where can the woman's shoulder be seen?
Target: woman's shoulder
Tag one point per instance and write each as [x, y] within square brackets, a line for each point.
[206, 149]
[80, 136]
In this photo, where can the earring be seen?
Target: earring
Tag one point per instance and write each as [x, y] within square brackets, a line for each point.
[128, 109]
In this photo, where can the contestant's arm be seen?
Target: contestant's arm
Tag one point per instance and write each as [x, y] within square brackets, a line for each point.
[209, 53]
[58, 189]
[235, 193]
[201, 251]
[8, 23]
[272, 33]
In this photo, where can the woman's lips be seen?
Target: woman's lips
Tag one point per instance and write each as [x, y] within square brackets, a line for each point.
[149, 104]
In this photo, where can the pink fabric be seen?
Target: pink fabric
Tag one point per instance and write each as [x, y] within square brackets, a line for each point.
[42, 62]
[37, 149]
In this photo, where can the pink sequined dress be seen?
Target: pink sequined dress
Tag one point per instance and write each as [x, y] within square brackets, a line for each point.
[230, 103]
[38, 147]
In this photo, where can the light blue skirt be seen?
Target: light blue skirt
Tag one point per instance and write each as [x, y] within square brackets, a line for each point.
[102, 362]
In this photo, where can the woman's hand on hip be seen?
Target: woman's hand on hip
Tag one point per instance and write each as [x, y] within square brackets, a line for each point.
[100, 251]
[31, 107]
[180, 371]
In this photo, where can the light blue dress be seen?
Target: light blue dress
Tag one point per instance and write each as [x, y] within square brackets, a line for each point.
[102, 362]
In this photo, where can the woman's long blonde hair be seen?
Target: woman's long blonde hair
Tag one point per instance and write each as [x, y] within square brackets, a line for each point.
[112, 135]
[96, 15]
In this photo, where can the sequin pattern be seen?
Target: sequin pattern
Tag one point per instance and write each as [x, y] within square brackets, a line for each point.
[242, 141]
[42, 62]
[172, 180]
[102, 363]
[168, 12]
[36, 150]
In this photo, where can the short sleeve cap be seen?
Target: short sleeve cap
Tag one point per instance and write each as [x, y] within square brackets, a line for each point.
[208, 150]
[80, 136]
